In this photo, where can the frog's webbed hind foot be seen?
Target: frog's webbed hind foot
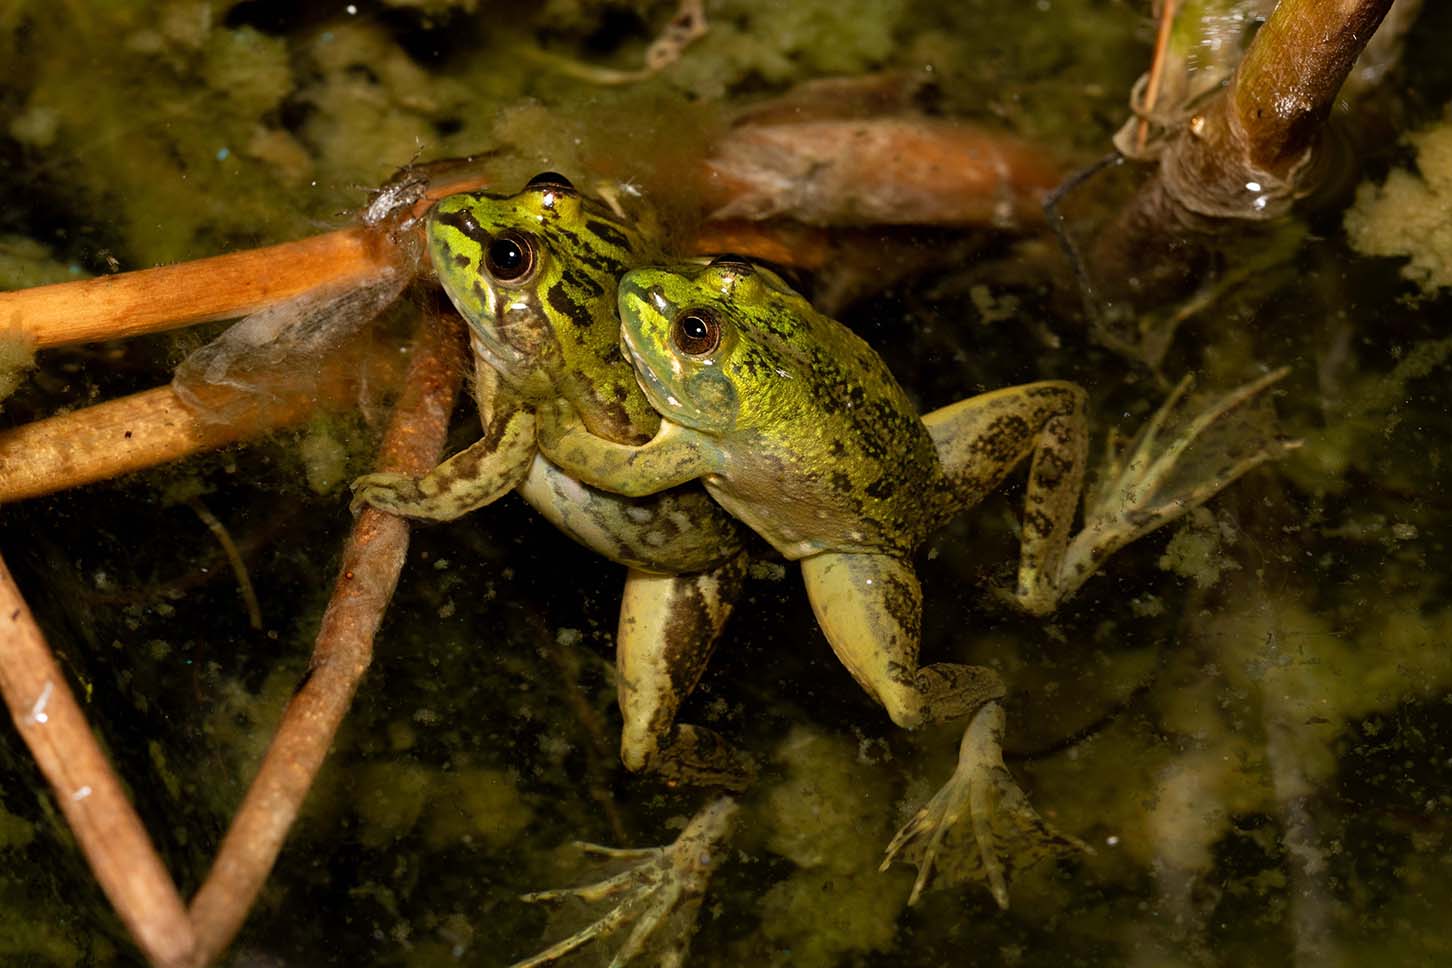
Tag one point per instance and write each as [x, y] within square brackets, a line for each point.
[659, 894]
[1157, 480]
[980, 825]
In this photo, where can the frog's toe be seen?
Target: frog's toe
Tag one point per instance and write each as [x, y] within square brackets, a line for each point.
[1167, 474]
[386, 492]
[658, 895]
[980, 825]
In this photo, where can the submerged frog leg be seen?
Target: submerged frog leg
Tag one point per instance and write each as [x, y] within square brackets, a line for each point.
[870, 607]
[668, 628]
[980, 825]
[476, 476]
[1156, 483]
[981, 439]
[660, 894]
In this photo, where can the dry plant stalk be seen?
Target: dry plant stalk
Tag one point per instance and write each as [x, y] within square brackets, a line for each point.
[343, 650]
[220, 287]
[879, 171]
[88, 791]
[153, 427]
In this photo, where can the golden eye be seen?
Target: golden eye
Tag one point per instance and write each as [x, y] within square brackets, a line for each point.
[510, 256]
[696, 332]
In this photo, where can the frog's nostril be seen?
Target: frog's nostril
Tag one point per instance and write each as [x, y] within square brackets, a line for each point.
[657, 297]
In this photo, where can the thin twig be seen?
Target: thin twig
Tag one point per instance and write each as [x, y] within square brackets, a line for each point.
[1156, 71]
[234, 558]
[95, 806]
[344, 647]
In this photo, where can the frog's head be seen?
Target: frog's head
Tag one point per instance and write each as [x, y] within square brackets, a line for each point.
[717, 347]
[534, 275]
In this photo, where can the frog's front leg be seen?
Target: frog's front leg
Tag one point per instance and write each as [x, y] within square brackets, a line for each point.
[980, 824]
[476, 476]
[672, 457]
[981, 439]
[668, 628]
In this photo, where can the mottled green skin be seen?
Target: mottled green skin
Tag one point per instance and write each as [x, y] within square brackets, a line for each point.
[811, 440]
[551, 336]
[553, 333]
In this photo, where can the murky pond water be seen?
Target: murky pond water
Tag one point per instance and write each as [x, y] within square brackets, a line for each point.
[1247, 716]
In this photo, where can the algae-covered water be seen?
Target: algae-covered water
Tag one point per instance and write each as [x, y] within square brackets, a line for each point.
[1248, 716]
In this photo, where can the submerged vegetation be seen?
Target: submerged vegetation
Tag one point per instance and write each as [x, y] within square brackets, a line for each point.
[1249, 719]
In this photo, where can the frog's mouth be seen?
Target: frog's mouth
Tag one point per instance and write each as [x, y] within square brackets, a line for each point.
[486, 340]
[654, 388]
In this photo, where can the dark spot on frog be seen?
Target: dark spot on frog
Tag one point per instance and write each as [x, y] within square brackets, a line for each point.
[607, 233]
[882, 488]
[565, 307]
[465, 224]
[461, 260]
[1037, 524]
[1002, 439]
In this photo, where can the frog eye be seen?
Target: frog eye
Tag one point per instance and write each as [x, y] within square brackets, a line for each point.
[550, 179]
[696, 332]
[510, 256]
[736, 263]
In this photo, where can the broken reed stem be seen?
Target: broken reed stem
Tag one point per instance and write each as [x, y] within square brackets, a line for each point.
[88, 791]
[916, 170]
[371, 564]
[167, 297]
[1246, 154]
[153, 427]
[221, 287]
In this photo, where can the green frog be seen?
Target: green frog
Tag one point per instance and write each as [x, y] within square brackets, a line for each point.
[796, 426]
[534, 276]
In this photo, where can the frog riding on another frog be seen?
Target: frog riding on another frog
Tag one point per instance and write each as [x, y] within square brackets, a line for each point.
[534, 276]
[796, 426]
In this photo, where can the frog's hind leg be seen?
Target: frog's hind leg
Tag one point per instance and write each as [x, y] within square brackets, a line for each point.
[870, 607]
[981, 439]
[980, 825]
[1157, 481]
[668, 629]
